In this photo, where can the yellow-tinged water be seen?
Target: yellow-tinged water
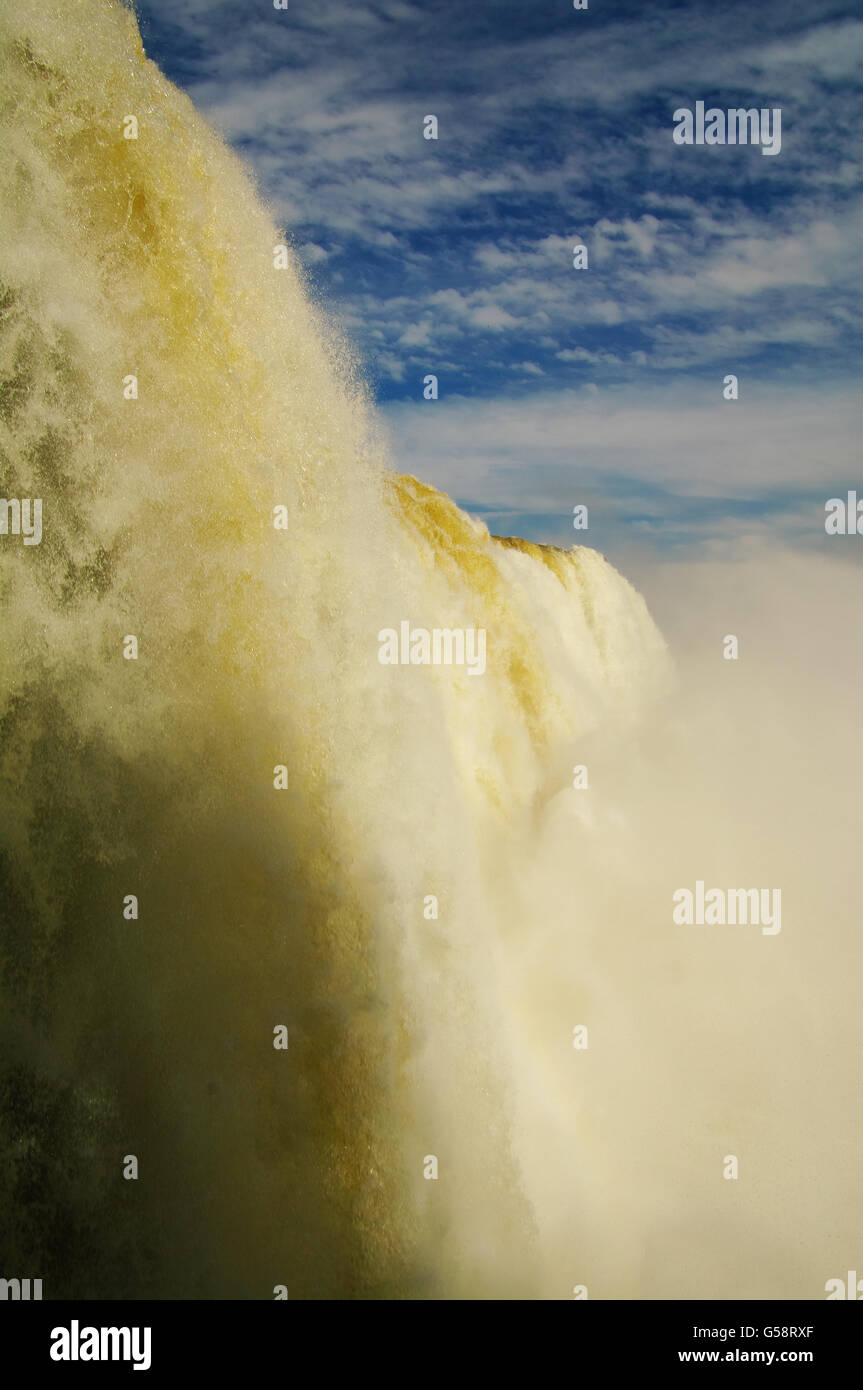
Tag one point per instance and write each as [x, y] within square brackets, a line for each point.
[409, 1035]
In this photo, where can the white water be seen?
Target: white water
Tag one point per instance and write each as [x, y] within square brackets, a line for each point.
[408, 1036]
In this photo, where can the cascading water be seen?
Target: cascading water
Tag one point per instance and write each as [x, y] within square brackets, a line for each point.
[412, 1031]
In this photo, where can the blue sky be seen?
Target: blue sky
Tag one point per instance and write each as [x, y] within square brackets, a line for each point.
[454, 256]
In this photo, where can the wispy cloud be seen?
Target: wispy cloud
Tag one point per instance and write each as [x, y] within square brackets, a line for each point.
[672, 462]
[455, 256]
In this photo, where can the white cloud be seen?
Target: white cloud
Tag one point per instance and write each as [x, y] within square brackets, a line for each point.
[492, 316]
[417, 335]
[581, 354]
[685, 442]
[689, 264]
[312, 254]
